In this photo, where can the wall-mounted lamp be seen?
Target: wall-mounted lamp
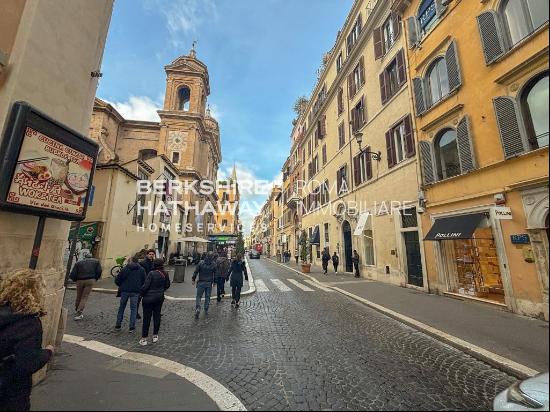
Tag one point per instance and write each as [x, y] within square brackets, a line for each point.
[375, 155]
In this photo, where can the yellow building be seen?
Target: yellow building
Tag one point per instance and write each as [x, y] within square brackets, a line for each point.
[226, 217]
[480, 76]
[358, 152]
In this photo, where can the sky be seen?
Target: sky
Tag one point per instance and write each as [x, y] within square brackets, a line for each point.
[261, 56]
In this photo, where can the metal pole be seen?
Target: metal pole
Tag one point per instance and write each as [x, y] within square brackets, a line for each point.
[37, 242]
[71, 253]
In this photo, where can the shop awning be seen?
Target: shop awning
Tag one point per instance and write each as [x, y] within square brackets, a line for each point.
[456, 227]
[315, 237]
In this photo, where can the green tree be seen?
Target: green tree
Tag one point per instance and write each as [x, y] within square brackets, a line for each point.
[303, 247]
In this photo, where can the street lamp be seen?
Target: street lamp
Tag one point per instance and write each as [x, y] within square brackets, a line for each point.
[375, 155]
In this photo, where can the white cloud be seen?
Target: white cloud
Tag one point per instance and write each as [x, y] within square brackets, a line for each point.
[138, 108]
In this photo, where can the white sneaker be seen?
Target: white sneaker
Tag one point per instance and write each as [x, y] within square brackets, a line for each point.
[143, 342]
[155, 338]
[79, 317]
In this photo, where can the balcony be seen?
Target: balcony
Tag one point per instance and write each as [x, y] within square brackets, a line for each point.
[293, 200]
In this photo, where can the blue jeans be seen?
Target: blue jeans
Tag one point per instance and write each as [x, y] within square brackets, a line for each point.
[124, 297]
[206, 288]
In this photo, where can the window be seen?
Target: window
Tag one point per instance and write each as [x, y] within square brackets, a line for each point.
[399, 143]
[354, 34]
[362, 164]
[446, 155]
[175, 157]
[324, 154]
[146, 154]
[523, 17]
[356, 79]
[327, 234]
[438, 81]
[339, 62]
[325, 193]
[388, 34]
[340, 101]
[534, 102]
[184, 98]
[358, 119]
[321, 130]
[427, 15]
[309, 148]
[368, 242]
[341, 135]
[224, 223]
[409, 218]
[393, 77]
[342, 180]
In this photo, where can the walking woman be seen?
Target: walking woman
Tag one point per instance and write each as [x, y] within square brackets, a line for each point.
[152, 292]
[21, 353]
[236, 274]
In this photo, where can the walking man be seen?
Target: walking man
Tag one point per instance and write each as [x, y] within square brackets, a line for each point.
[129, 280]
[335, 262]
[85, 273]
[206, 272]
[147, 264]
[223, 265]
[236, 274]
[325, 259]
[355, 260]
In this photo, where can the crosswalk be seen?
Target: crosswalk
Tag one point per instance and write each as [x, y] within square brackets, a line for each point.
[278, 285]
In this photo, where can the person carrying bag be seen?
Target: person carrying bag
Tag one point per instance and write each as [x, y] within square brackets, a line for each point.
[152, 292]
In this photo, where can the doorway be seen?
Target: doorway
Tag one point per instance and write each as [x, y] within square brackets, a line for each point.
[414, 259]
[348, 246]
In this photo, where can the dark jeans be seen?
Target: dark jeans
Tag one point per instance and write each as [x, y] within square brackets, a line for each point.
[151, 310]
[220, 287]
[325, 266]
[18, 401]
[133, 298]
[236, 293]
[356, 266]
[335, 267]
[297, 258]
[206, 289]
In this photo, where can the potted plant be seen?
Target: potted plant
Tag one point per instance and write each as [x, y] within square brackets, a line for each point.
[306, 267]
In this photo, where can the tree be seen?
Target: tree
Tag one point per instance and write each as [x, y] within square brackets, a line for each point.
[303, 247]
[300, 105]
[239, 247]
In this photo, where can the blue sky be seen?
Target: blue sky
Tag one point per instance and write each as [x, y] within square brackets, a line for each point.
[261, 55]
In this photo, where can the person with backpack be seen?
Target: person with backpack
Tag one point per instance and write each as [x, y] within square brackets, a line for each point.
[21, 353]
[335, 262]
[236, 274]
[85, 273]
[325, 259]
[129, 281]
[152, 293]
[222, 269]
[206, 272]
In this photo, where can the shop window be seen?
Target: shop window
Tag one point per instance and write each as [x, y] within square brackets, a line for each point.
[446, 153]
[368, 241]
[534, 102]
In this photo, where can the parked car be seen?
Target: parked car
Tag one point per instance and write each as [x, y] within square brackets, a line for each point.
[254, 254]
[528, 395]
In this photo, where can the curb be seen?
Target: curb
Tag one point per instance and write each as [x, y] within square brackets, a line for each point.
[506, 365]
[221, 396]
[250, 291]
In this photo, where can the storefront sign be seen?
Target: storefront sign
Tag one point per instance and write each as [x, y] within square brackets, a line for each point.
[502, 213]
[520, 239]
[46, 169]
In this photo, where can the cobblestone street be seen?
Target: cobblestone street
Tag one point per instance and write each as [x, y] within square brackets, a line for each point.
[294, 346]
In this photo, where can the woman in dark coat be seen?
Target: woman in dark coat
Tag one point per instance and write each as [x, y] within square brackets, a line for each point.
[152, 292]
[21, 352]
[236, 275]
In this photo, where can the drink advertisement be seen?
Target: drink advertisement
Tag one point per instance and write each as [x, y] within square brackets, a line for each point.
[50, 175]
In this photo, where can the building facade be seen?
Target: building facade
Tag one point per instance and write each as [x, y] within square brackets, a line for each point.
[228, 225]
[184, 146]
[479, 71]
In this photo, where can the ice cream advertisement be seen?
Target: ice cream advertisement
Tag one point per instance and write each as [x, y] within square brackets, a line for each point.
[50, 175]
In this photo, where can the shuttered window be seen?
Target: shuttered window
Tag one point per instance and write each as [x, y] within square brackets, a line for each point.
[426, 161]
[341, 135]
[342, 180]
[393, 77]
[362, 167]
[358, 118]
[465, 146]
[419, 96]
[400, 143]
[340, 101]
[509, 125]
[386, 35]
[324, 154]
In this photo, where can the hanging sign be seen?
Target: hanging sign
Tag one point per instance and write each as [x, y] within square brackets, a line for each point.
[502, 213]
[46, 169]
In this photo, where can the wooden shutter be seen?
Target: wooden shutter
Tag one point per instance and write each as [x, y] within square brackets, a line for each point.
[351, 93]
[390, 148]
[410, 146]
[492, 38]
[357, 169]
[396, 21]
[340, 100]
[508, 120]
[362, 71]
[419, 100]
[324, 125]
[427, 163]
[453, 67]
[414, 33]
[363, 112]
[465, 147]
[401, 68]
[383, 87]
[353, 120]
[378, 43]
[368, 163]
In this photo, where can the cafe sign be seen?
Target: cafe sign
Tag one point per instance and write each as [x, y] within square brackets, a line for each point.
[46, 169]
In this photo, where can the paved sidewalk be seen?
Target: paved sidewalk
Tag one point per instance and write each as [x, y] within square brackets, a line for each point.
[519, 338]
[82, 379]
[177, 290]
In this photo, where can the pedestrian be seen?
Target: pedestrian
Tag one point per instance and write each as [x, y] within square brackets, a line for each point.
[296, 256]
[130, 281]
[21, 353]
[222, 269]
[147, 264]
[335, 262]
[325, 259]
[85, 273]
[356, 260]
[236, 274]
[206, 272]
[152, 292]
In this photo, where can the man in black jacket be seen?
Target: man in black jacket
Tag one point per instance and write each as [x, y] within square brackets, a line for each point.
[85, 273]
[325, 258]
[130, 281]
[146, 264]
[206, 271]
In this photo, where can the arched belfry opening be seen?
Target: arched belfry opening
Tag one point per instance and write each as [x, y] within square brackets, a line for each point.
[184, 98]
